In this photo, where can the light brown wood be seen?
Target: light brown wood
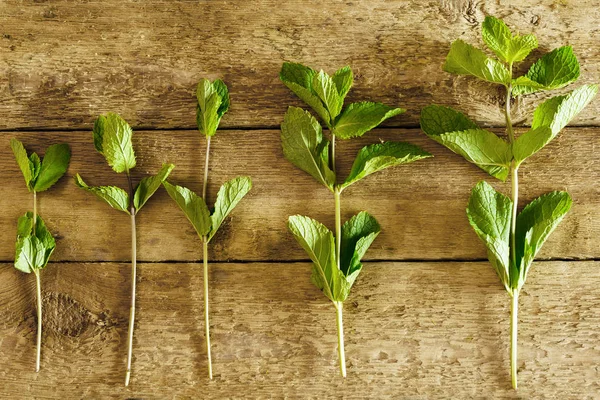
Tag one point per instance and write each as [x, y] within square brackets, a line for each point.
[413, 330]
[418, 325]
[420, 206]
[62, 64]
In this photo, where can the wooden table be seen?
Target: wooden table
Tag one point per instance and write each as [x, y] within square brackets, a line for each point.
[428, 318]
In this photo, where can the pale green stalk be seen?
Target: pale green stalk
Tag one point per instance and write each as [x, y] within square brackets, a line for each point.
[133, 283]
[205, 263]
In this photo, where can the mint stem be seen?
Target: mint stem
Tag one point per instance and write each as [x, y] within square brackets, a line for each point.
[514, 171]
[340, 328]
[133, 280]
[205, 262]
[206, 320]
[132, 308]
[38, 295]
[514, 320]
[338, 244]
[39, 319]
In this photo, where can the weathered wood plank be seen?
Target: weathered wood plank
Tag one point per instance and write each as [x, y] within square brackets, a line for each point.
[413, 330]
[66, 61]
[420, 206]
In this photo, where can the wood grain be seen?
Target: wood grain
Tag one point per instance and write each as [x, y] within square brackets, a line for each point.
[421, 206]
[413, 330]
[64, 62]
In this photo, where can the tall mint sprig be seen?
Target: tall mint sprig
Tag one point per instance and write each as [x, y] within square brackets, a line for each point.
[35, 244]
[336, 259]
[112, 139]
[213, 103]
[512, 239]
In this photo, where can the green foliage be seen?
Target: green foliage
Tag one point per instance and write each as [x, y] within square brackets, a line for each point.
[112, 139]
[149, 185]
[319, 243]
[195, 209]
[40, 175]
[534, 224]
[305, 146]
[478, 146]
[34, 245]
[379, 156]
[553, 71]
[230, 194]
[464, 59]
[508, 47]
[192, 205]
[116, 197]
[213, 103]
[489, 212]
[359, 118]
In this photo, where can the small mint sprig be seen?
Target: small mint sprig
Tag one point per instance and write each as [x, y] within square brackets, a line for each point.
[512, 239]
[212, 103]
[112, 138]
[35, 244]
[336, 257]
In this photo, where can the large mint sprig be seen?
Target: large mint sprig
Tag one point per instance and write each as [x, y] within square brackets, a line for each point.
[512, 239]
[336, 257]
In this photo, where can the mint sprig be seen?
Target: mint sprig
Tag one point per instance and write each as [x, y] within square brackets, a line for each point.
[336, 257]
[212, 104]
[113, 139]
[512, 239]
[35, 244]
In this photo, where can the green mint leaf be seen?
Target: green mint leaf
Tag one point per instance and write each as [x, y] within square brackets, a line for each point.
[461, 135]
[223, 93]
[464, 59]
[375, 157]
[298, 78]
[23, 161]
[149, 185]
[192, 205]
[324, 87]
[209, 104]
[116, 197]
[480, 147]
[54, 165]
[343, 79]
[489, 214]
[531, 142]
[550, 118]
[112, 138]
[305, 146]
[34, 164]
[318, 242]
[230, 194]
[33, 251]
[358, 118]
[357, 235]
[436, 120]
[553, 71]
[534, 224]
[498, 37]
[557, 112]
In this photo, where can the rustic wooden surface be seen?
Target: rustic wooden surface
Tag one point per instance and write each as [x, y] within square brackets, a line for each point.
[414, 330]
[427, 318]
